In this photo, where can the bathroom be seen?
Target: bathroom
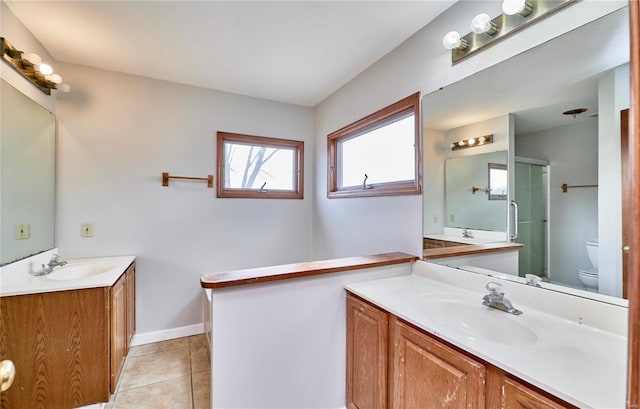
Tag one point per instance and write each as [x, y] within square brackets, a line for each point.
[112, 150]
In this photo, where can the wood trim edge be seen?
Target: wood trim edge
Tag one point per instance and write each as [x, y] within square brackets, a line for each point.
[465, 250]
[299, 270]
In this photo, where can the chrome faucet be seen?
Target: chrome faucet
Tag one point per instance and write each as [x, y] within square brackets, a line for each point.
[466, 233]
[53, 263]
[495, 299]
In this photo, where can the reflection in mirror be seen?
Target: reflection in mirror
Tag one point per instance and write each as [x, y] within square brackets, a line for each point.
[27, 146]
[467, 193]
[497, 181]
[572, 239]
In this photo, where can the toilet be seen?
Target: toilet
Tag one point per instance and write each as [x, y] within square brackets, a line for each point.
[589, 276]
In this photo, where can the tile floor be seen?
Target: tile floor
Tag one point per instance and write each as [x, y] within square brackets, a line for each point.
[172, 374]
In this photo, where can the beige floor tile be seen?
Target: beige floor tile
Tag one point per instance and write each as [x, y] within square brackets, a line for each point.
[200, 361]
[179, 343]
[151, 368]
[201, 390]
[198, 343]
[171, 394]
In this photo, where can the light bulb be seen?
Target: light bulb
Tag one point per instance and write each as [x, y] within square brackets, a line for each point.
[55, 78]
[461, 143]
[511, 7]
[33, 58]
[45, 69]
[481, 139]
[452, 40]
[64, 87]
[471, 141]
[482, 24]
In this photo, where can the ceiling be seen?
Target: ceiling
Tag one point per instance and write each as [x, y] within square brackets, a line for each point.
[289, 51]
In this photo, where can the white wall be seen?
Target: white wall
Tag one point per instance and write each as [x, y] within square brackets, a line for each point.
[613, 96]
[572, 152]
[283, 344]
[344, 227]
[433, 155]
[117, 134]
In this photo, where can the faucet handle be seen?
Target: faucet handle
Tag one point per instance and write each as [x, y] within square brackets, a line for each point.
[533, 280]
[493, 287]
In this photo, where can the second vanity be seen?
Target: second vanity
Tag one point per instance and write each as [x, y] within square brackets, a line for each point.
[422, 339]
[67, 332]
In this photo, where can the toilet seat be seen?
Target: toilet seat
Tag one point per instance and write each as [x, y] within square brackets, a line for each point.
[591, 272]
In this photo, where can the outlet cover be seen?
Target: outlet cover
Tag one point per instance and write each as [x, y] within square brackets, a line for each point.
[22, 231]
[86, 230]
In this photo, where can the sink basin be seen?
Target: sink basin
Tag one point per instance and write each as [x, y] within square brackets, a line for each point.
[481, 322]
[77, 270]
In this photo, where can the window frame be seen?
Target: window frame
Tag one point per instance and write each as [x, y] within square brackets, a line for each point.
[297, 146]
[410, 104]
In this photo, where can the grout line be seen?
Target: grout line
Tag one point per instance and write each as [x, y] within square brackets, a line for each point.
[193, 396]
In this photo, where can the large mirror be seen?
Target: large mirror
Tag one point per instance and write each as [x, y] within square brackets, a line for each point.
[27, 188]
[563, 162]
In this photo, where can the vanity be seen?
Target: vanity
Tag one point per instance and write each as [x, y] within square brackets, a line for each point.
[78, 322]
[422, 339]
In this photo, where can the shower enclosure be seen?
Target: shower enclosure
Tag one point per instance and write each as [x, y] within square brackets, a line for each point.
[531, 195]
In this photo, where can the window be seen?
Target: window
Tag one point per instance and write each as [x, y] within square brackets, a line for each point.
[259, 167]
[497, 181]
[379, 155]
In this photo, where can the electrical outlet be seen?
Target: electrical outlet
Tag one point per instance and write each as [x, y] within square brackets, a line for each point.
[22, 231]
[452, 218]
[435, 218]
[86, 230]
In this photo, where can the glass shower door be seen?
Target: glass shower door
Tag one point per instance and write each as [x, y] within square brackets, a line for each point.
[531, 197]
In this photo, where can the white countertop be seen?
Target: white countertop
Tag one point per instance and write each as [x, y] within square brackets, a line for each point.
[580, 364]
[106, 270]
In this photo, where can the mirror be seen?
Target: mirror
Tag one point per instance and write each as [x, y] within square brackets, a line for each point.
[468, 192]
[27, 146]
[564, 171]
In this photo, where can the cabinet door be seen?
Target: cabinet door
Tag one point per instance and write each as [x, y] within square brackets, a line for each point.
[426, 373]
[58, 342]
[130, 285]
[118, 329]
[518, 396]
[367, 333]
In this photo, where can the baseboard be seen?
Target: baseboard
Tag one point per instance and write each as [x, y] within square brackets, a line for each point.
[163, 335]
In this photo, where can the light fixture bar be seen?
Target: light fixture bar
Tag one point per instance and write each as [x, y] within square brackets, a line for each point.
[26, 68]
[472, 142]
[506, 26]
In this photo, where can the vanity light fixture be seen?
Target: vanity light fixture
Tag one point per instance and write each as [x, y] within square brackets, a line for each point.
[482, 24]
[485, 31]
[452, 41]
[471, 142]
[521, 7]
[31, 67]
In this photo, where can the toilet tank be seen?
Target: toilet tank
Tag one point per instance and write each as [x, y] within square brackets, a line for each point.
[592, 252]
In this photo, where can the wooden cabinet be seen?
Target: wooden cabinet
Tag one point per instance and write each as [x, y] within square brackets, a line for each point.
[426, 373]
[515, 395]
[130, 287]
[367, 332]
[423, 371]
[118, 330]
[68, 346]
[122, 323]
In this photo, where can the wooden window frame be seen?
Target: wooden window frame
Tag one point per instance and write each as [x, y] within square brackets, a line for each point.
[410, 104]
[298, 146]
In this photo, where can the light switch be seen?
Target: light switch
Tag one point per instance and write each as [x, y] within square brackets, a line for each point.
[22, 231]
[86, 230]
